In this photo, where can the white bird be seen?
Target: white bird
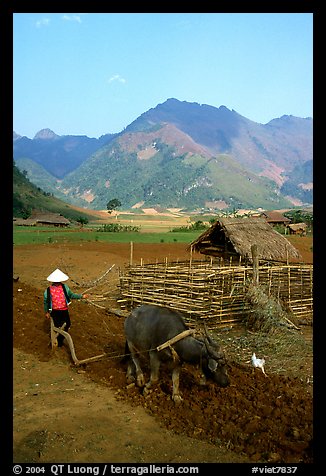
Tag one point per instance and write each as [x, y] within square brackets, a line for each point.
[258, 363]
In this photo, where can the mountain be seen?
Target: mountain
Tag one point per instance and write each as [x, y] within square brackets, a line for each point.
[297, 183]
[58, 155]
[264, 149]
[184, 155]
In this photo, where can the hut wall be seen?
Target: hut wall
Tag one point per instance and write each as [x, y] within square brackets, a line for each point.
[216, 293]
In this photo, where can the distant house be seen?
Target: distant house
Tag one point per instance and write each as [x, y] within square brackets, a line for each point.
[24, 222]
[233, 237]
[52, 219]
[297, 229]
[275, 218]
[48, 219]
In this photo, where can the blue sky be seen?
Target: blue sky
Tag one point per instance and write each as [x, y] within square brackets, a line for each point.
[94, 73]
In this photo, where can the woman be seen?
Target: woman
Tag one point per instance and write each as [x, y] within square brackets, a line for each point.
[57, 298]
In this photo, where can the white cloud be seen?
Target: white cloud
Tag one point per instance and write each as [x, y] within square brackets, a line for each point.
[43, 22]
[118, 78]
[72, 18]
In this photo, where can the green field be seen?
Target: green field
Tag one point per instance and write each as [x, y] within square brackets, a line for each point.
[40, 235]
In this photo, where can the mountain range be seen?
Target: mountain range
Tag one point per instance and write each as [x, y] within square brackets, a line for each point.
[178, 154]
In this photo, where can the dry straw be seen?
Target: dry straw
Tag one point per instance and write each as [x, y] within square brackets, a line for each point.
[267, 313]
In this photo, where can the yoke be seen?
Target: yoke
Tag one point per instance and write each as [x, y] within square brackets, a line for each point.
[175, 339]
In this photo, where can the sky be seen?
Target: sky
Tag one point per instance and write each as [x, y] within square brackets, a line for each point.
[95, 73]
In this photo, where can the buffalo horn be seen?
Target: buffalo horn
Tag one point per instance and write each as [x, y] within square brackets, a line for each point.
[213, 348]
[216, 354]
[210, 340]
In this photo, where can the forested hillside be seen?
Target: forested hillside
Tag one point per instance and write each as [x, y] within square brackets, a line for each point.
[27, 199]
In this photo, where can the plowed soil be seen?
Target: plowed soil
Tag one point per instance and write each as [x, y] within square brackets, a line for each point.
[88, 413]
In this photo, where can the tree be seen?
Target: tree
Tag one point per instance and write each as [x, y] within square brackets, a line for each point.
[82, 220]
[113, 204]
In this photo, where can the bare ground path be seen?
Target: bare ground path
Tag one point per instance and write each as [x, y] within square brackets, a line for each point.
[60, 415]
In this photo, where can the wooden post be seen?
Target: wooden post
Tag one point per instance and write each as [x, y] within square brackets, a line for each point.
[131, 252]
[255, 264]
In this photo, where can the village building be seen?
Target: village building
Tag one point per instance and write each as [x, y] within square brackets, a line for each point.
[297, 229]
[274, 217]
[234, 237]
[48, 219]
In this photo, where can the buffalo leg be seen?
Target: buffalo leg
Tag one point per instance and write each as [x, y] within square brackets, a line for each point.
[155, 368]
[131, 370]
[176, 397]
[139, 374]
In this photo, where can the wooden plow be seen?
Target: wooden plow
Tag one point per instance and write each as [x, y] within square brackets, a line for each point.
[60, 330]
[54, 344]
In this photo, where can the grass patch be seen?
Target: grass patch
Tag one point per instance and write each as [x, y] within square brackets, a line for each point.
[41, 235]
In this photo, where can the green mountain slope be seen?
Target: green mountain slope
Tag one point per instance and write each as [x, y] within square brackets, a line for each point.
[28, 198]
[169, 179]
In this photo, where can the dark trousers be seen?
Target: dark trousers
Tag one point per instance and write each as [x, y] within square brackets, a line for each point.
[59, 318]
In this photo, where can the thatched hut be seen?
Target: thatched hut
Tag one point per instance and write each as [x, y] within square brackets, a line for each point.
[51, 219]
[298, 229]
[234, 237]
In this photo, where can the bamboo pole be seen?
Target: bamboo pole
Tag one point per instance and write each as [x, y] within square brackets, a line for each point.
[131, 253]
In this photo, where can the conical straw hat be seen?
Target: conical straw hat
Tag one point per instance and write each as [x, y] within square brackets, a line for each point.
[57, 276]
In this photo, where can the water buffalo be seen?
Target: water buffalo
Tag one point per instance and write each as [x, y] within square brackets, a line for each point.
[149, 326]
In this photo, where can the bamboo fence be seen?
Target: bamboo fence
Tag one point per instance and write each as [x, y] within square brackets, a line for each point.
[215, 292]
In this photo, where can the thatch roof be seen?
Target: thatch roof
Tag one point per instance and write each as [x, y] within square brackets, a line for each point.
[51, 219]
[236, 236]
[24, 221]
[297, 226]
[45, 218]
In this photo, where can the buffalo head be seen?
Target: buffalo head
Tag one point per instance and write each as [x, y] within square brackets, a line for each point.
[216, 362]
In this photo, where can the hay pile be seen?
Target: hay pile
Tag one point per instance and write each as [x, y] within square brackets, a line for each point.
[267, 313]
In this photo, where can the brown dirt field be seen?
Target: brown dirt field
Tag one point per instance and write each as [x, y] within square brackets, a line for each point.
[89, 414]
